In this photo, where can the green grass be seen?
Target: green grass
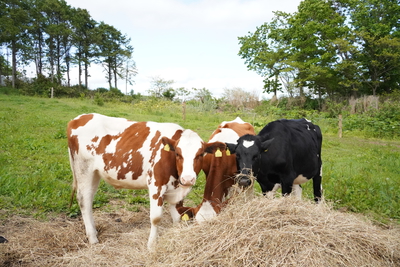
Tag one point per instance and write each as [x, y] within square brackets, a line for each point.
[362, 175]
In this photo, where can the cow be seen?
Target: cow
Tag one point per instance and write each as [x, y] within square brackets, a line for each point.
[161, 157]
[220, 169]
[286, 153]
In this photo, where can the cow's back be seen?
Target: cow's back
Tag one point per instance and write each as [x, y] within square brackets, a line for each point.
[120, 151]
[295, 146]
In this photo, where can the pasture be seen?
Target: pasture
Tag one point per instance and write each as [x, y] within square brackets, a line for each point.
[359, 176]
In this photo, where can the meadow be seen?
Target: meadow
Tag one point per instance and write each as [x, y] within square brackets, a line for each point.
[359, 175]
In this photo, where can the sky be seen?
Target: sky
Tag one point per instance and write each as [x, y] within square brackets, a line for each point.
[192, 42]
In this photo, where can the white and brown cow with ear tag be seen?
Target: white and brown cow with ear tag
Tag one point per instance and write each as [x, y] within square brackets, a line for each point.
[161, 157]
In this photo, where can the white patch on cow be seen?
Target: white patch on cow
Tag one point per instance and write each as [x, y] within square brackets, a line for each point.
[205, 212]
[297, 191]
[271, 194]
[190, 143]
[237, 120]
[111, 148]
[226, 135]
[247, 143]
[308, 127]
[174, 195]
[300, 180]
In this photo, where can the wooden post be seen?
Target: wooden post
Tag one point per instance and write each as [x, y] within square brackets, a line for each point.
[52, 92]
[340, 125]
[184, 110]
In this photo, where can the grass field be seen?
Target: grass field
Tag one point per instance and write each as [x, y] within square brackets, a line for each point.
[359, 175]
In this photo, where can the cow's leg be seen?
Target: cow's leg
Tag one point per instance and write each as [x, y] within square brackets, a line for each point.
[297, 190]
[287, 183]
[176, 210]
[271, 194]
[156, 210]
[317, 185]
[87, 184]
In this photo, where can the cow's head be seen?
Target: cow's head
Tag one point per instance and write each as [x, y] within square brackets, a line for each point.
[248, 152]
[189, 150]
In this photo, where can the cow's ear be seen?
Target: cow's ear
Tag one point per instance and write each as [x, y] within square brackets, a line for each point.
[169, 144]
[265, 145]
[231, 147]
[212, 147]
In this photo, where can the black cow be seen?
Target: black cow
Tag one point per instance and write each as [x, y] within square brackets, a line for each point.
[285, 153]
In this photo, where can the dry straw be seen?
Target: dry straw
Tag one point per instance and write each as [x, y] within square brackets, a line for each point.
[249, 232]
[279, 232]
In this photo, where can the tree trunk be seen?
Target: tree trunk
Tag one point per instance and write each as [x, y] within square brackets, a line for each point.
[86, 74]
[79, 72]
[14, 62]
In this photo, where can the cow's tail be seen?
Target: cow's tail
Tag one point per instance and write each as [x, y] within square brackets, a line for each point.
[72, 193]
[74, 183]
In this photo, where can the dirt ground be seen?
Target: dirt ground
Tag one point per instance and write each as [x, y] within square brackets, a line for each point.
[258, 232]
[61, 241]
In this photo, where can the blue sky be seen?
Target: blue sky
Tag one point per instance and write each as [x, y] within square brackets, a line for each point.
[193, 42]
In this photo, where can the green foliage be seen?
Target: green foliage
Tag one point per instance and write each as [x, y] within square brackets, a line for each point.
[331, 47]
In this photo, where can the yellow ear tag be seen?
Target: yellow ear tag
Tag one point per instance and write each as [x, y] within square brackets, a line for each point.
[185, 217]
[218, 153]
[228, 152]
[166, 147]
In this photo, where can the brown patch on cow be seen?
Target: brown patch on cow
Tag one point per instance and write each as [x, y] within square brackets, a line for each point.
[240, 128]
[127, 158]
[166, 166]
[160, 201]
[177, 135]
[95, 139]
[155, 144]
[156, 221]
[73, 142]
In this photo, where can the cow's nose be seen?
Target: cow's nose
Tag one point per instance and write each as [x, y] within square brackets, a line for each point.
[244, 182]
[187, 180]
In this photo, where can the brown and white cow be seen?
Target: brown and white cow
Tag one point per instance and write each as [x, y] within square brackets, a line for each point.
[161, 157]
[220, 168]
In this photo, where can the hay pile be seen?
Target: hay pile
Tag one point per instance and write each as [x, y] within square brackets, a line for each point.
[255, 232]
[279, 232]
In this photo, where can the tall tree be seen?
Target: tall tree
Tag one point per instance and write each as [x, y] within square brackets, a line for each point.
[377, 26]
[130, 72]
[114, 48]
[13, 29]
[57, 14]
[84, 38]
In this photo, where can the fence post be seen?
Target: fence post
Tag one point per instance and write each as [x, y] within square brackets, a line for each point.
[340, 125]
[184, 110]
[52, 92]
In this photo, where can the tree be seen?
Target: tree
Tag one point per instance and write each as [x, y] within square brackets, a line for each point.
[377, 27]
[266, 51]
[13, 29]
[331, 47]
[159, 87]
[85, 40]
[58, 29]
[114, 48]
[203, 95]
[129, 73]
[183, 93]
